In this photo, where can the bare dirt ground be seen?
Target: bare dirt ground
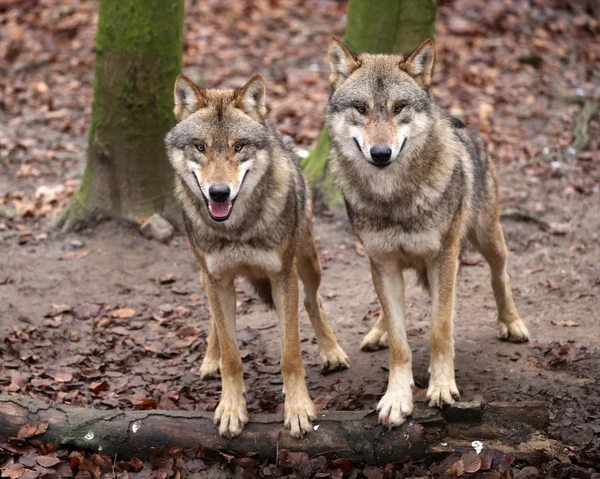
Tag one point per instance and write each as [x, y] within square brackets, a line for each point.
[92, 318]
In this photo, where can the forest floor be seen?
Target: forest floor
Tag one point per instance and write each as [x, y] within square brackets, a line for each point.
[106, 318]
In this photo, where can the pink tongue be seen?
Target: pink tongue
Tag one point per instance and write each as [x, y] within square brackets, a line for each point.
[219, 210]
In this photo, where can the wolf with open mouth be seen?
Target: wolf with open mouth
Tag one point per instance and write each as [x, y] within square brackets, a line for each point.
[247, 212]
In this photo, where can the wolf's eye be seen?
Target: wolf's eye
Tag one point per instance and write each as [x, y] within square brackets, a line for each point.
[398, 107]
[201, 147]
[361, 109]
[238, 147]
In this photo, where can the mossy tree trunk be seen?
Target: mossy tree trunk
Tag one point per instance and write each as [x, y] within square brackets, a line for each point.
[139, 46]
[379, 26]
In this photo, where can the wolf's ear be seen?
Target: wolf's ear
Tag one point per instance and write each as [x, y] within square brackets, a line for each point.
[188, 98]
[341, 61]
[419, 63]
[251, 98]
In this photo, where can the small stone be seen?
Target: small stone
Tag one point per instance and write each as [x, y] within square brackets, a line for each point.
[156, 227]
[77, 244]
[559, 229]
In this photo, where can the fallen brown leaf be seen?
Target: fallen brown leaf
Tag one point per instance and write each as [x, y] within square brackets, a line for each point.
[568, 324]
[63, 377]
[136, 464]
[120, 330]
[457, 469]
[321, 402]
[537, 269]
[166, 279]
[14, 471]
[99, 386]
[57, 309]
[486, 462]
[343, 464]
[123, 313]
[29, 430]
[471, 462]
[29, 474]
[75, 255]
[47, 461]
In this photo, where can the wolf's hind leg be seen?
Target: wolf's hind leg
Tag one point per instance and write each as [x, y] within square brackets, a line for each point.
[309, 269]
[210, 364]
[488, 238]
[377, 338]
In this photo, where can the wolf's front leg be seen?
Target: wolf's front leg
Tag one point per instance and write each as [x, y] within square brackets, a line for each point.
[231, 414]
[397, 402]
[299, 408]
[441, 274]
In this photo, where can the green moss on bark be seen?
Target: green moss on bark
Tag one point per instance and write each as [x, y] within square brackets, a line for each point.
[139, 46]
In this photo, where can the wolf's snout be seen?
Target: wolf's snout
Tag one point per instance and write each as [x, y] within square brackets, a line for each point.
[219, 193]
[381, 154]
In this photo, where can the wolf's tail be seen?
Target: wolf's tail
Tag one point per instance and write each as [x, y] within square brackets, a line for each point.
[262, 289]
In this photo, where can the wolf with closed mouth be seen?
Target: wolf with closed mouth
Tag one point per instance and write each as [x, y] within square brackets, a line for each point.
[247, 212]
[416, 183]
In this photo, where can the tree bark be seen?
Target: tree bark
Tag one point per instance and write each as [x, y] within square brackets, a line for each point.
[139, 46]
[428, 433]
[382, 26]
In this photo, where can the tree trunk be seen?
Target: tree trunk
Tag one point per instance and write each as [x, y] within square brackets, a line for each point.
[139, 46]
[429, 433]
[381, 26]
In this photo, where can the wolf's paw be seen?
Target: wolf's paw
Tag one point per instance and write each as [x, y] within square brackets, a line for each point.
[442, 393]
[231, 415]
[516, 331]
[299, 413]
[334, 358]
[395, 406]
[209, 368]
[374, 340]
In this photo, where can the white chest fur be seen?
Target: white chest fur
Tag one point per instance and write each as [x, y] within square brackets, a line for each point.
[392, 240]
[235, 259]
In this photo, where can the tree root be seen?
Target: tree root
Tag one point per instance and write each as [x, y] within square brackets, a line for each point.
[74, 217]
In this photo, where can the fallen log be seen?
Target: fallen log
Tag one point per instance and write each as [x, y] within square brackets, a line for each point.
[355, 435]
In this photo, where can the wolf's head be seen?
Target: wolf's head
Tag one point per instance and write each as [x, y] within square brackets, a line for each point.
[380, 109]
[218, 146]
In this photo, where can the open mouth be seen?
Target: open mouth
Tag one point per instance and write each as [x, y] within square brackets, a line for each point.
[219, 211]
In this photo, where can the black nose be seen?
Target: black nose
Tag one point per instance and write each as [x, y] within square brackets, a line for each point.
[219, 193]
[381, 153]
